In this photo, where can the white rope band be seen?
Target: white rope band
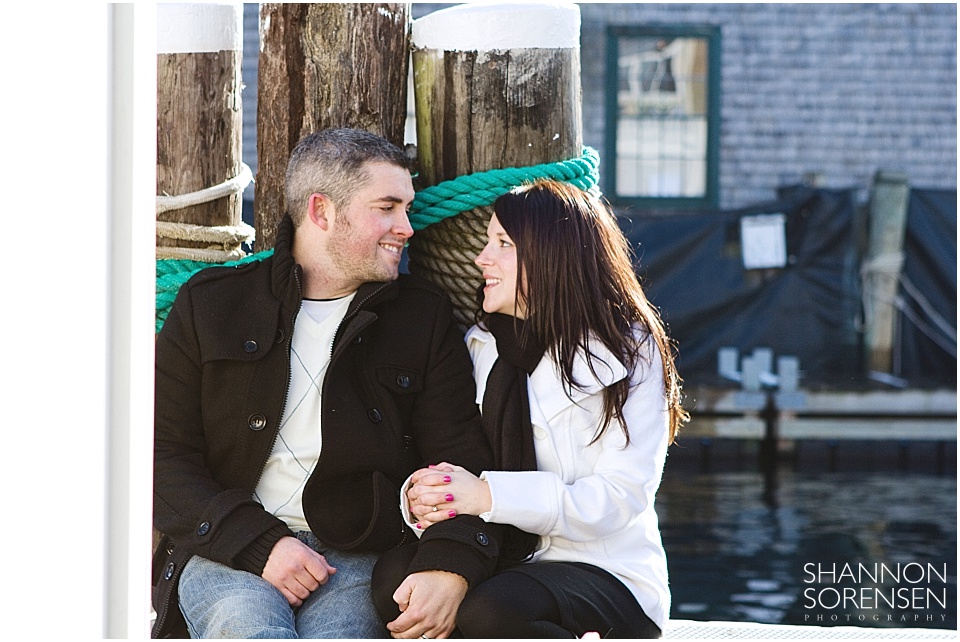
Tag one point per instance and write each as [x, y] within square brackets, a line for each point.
[227, 237]
[223, 234]
[235, 185]
[206, 255]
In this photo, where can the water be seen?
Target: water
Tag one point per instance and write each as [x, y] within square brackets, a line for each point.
[738, 543]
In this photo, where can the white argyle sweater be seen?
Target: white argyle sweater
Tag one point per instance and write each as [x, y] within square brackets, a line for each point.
[297, 448]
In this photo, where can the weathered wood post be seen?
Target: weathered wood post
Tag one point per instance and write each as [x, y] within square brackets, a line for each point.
[324, 65]
[881, 269]
[200, 174]
[496, 86]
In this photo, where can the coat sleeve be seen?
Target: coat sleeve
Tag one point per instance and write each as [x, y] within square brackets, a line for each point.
[601, 499]
[447, 428]
[221, 524]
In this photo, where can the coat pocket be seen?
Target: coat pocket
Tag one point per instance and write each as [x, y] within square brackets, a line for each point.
[357, 513]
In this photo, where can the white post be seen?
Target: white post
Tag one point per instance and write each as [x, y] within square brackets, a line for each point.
[131, 300]
[78, 289]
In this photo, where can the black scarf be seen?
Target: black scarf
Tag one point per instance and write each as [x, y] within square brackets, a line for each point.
[506, 415]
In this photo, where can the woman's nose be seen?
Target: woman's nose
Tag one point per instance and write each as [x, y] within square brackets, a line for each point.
[481, 259]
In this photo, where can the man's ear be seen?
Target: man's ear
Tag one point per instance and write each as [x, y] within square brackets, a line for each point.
[320, 210]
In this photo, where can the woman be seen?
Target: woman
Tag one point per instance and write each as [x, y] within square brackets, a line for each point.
[580, 398]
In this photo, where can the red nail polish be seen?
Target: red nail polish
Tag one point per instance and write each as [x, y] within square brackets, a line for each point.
[446, 478]
[452, 513]
[449, 497]
[419, 527]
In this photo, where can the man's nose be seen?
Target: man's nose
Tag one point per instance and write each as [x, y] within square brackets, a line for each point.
[403, 228]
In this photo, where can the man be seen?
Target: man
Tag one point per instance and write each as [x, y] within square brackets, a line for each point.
[293, 397]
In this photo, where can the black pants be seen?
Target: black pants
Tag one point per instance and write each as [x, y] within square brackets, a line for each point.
[538, 600]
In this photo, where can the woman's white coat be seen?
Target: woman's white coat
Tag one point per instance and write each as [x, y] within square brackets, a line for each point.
[590, 502]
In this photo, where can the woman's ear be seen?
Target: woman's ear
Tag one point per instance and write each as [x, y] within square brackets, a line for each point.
[320, 210]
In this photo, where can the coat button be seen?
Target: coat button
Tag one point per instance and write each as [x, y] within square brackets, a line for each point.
[357, 339]
[257, 421]
[280, 335]
[250, 346]
[403, 381]
[374, 415]
[168, 572]
[203, 529]
[170, 548]
[482, 539]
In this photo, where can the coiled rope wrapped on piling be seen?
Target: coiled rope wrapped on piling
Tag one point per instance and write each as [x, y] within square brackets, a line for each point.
[450, 220]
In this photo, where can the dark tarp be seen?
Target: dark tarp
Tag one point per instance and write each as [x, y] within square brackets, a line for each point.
[692, 270]
[927, 351]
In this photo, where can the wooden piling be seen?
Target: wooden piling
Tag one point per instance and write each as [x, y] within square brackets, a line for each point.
[324, 65]
[199, 128]
[496, 87]
[882, 265]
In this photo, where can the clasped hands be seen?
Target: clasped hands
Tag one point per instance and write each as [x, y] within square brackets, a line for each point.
[443, 491]
[429, 601]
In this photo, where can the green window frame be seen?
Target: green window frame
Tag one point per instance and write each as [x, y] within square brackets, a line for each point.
[663, 116]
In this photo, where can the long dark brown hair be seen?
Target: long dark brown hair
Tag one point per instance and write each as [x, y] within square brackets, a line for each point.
[580, 284]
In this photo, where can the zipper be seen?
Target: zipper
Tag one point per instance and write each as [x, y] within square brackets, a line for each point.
[286, 388]
[326, 379]
[356, 310]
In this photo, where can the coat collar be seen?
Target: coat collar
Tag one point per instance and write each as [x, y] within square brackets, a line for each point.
[546, 385]
[287, 275]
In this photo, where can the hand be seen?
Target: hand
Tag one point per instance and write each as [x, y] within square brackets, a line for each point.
[296, 570]
[452, 490]
[428, 604]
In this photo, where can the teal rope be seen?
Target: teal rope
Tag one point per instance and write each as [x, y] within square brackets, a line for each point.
[430, 205]
[172, 273]
[449, 198]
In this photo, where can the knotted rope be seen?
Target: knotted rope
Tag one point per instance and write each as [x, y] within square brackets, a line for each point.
[235, 185]
[223, 240]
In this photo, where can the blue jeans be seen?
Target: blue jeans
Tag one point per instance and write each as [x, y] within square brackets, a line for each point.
[220, 602]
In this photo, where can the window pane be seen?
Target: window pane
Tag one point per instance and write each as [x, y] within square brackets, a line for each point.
[662, 116]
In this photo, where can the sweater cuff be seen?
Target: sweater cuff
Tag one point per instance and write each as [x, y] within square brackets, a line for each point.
[254, 557]
[470, 550]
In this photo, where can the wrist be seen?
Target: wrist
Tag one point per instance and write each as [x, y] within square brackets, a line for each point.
[484, 497]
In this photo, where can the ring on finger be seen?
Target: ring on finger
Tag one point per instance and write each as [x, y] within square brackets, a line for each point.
[435, 509]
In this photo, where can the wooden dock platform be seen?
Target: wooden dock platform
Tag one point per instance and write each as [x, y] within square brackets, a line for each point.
[894, 415]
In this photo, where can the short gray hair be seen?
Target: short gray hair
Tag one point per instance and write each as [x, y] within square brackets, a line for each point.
[332, 162]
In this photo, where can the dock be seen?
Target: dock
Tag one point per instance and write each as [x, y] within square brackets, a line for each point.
[894, 415]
